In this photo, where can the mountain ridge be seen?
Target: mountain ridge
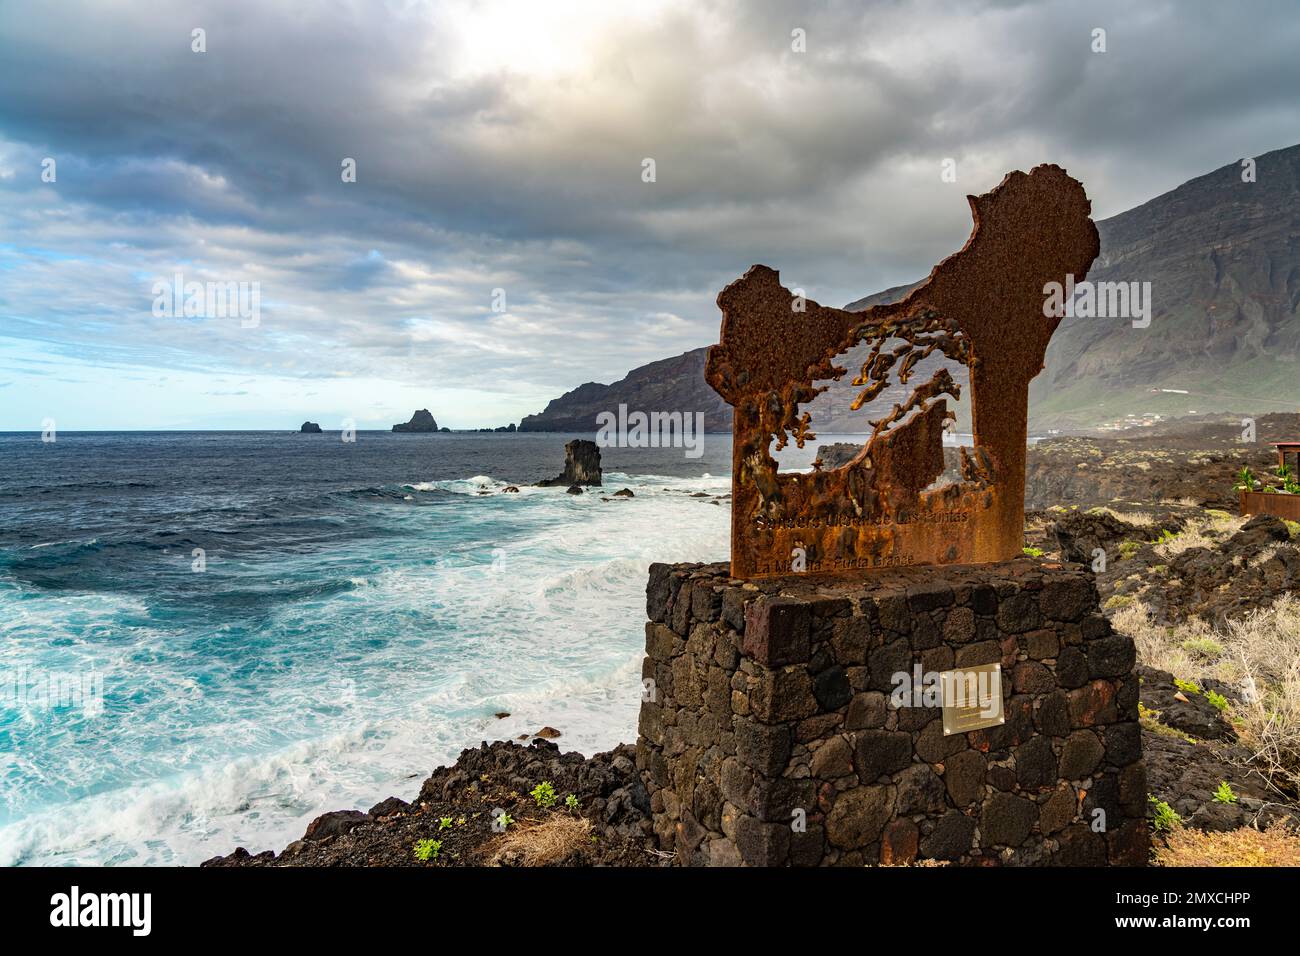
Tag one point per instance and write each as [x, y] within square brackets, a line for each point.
[1223, 259]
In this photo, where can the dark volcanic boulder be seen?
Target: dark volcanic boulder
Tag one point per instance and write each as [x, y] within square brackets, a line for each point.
[310, 428]
[1188, 711]
[333, 824]
[1257, 533]
[1079, 533]
[421, 421]
[581, 465]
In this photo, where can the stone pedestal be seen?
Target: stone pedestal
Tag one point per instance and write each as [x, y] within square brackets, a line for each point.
[769, 733]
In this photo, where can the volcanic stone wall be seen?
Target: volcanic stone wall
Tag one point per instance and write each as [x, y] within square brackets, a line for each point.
[768, 735]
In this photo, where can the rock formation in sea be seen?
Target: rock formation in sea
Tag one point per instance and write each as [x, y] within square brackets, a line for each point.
[581, 465]
[421, 421]
[310, 428]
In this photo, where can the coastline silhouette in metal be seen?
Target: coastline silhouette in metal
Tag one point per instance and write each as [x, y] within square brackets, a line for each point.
[982, 307]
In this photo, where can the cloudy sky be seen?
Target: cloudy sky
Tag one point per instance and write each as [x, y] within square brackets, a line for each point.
[501, 146]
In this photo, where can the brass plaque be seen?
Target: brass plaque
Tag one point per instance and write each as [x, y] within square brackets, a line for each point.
[972, 698]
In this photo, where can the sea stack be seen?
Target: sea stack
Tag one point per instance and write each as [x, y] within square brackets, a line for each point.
[581, 465]
[421, 421]
[310, 428]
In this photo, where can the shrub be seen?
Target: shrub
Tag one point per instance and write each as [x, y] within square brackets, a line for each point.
[1266, 644]
[1224, 794]
[424, 849]
[1165, 816]
[1275, 846]
[1260, 652]
[1203, 647]
[1186, 686]
[1032, 552]
[1218, 700]
[544, 794]
[554, 840]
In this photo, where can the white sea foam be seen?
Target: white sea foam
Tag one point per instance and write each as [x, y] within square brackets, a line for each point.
[530, 603]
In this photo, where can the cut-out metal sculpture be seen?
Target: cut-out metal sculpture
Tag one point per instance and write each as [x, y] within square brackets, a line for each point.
[982, 307]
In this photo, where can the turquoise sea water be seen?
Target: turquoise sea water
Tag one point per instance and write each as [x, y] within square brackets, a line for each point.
[361, 613]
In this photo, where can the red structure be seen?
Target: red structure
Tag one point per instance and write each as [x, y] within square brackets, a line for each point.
[1285, 448]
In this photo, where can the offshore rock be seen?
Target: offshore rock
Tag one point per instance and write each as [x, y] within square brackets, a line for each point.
[581, 465]
[421, 421]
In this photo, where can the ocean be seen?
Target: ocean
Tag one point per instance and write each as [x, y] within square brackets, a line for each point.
[207, 639]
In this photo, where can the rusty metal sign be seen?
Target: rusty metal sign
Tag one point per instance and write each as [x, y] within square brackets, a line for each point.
[982, 307]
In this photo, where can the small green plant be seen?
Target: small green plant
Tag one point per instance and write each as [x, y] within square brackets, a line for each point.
[444, 823]
[544, 794]
[1165, 537]
[1117, 601]
[502, 820]
[1030, 552]
[460, 821]
[1246, 480]
[1203, 647]
[1186, 686]
[1218, 700]
[1284, 472]
[1224, 794]
[424, 849]
[1128, 548]
[571, 802]
[1166, 817]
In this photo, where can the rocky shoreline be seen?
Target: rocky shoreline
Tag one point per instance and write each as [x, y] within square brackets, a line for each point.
[612, 824]
[607, 822]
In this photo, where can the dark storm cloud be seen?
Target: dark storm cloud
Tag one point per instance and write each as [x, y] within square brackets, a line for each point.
[497, 149]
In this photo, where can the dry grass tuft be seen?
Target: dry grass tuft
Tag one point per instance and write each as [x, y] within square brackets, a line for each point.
[1259, 653]
[1206, 531]
[1166, 648]
[1265, 553]
[1276, 846]
[540, 844]
[1266, 644]
[1129, 517]
[927, 862]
